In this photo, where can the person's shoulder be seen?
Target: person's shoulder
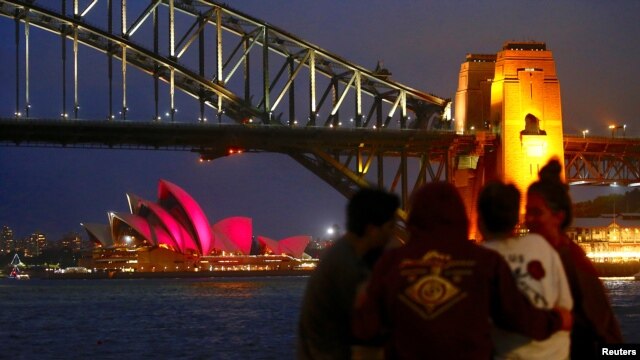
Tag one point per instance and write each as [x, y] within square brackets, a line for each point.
[340, 247]
[487, 251]
[336, 254]
[536, 241]
[491, 244]
[534, 237]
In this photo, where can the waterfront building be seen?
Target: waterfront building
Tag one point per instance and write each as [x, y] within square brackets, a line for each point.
[608, 238]
[71, 242]
[174, 234]
[7, 243]
[32, 245]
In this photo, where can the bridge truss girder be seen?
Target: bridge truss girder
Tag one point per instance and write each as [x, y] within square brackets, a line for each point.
[398, 160]
[214, 90]
[332, 86]
[602, 161]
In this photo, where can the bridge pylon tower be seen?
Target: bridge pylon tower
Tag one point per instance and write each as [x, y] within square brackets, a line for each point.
[515, 95]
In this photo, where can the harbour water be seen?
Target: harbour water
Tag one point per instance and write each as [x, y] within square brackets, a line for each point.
[217, 318]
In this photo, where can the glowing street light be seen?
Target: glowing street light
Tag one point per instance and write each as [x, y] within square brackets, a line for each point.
[333, 231]
[616, 127]
[585, 132]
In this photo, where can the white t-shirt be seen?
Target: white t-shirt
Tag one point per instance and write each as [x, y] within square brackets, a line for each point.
[538, 271]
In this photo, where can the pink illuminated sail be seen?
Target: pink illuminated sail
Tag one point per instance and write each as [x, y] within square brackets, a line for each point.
[187, 211]
[269, 244]
[293, 246]
[179, 236]
[233, 235]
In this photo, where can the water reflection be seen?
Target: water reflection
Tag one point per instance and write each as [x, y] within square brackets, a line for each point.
[228, 288]
[624, 294]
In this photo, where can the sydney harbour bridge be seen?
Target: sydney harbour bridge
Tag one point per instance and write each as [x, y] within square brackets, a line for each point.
[254, 88]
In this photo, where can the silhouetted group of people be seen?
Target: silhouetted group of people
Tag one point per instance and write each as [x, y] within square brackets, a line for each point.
[441, 296]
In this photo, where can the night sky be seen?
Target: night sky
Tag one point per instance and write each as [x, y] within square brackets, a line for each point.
[422, 43]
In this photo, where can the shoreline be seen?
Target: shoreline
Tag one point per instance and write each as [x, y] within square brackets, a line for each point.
[605, 270]
[168, 275]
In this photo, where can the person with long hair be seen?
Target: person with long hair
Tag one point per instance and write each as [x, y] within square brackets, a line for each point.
[549, 212]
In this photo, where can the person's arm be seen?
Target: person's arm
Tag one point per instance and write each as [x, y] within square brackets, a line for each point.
[512, 310]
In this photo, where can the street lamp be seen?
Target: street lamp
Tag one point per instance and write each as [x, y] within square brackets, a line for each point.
[616, 127]
[585, 132]
[333, 231]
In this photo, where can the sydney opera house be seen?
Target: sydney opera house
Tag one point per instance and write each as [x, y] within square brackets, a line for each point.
[173, 234]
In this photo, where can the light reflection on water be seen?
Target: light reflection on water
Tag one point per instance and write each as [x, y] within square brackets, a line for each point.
[625, 299]
[249, 318]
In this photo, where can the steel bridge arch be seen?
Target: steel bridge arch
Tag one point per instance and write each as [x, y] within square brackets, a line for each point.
[342, 166]
[269, 37]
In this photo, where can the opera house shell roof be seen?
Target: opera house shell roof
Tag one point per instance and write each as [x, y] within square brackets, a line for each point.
[176, 222]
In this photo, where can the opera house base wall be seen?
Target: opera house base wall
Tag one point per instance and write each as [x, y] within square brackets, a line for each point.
[171, 274]
[150, 260]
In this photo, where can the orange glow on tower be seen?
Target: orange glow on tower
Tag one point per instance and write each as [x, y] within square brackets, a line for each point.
[515, 95]
[472, 105]
[527, 112]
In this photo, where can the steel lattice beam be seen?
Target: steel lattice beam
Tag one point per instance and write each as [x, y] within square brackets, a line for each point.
[346, 159]
[602, 161]
[346, 95]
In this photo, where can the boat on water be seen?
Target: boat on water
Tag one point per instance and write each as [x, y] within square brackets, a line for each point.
[17, 275]
[15, 272]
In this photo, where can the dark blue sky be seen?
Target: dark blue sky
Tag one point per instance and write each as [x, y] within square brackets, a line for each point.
[423, 44]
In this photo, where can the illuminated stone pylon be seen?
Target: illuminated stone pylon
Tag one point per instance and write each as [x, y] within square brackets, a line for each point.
[526, 111]
[523, 109]
[473, 98]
